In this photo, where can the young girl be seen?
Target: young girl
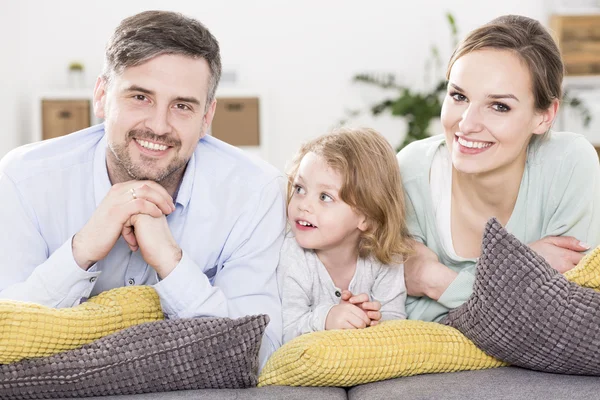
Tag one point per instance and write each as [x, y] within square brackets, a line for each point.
[341, 263]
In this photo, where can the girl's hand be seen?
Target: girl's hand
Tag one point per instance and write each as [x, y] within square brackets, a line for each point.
[362, 301]
[425, 275]
[346, 316]
[561, 252]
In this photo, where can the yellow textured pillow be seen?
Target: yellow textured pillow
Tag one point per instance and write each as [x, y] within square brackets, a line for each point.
[389, 350]
[587, 272]
[30, 330]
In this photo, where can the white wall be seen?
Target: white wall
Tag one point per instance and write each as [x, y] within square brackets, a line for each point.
[301, 55]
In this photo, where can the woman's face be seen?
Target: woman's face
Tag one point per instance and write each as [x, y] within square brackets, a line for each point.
[488, 114]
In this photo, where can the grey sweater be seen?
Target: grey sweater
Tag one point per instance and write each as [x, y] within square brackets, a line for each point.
[308, 293]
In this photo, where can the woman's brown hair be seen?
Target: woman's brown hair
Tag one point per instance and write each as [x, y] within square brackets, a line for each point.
[531, 42]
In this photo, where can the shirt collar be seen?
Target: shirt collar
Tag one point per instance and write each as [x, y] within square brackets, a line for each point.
[102, 182]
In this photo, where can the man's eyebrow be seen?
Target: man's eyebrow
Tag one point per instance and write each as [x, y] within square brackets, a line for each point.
[135, 88]
[192, 100]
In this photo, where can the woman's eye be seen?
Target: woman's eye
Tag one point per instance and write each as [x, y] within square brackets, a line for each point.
[325, 197]
[501, 107]
[458, 97]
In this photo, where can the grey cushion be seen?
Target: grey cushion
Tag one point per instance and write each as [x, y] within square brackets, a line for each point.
[524, 312]
[499, 383]
[153, 357]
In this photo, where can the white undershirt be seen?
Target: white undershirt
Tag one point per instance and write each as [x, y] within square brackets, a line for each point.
[440, 183]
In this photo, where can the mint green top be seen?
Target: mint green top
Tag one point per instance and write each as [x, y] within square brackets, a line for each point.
[559, 196]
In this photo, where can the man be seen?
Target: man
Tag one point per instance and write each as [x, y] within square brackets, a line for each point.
[146, 198]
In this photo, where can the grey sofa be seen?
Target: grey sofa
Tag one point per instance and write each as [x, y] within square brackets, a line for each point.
[499, 383]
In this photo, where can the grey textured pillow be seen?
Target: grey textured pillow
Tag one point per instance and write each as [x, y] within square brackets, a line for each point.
[524, 312]
[153, 357]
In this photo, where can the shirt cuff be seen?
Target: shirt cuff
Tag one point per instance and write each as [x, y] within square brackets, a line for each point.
[459, 290]
[63, 278]
[185, 292]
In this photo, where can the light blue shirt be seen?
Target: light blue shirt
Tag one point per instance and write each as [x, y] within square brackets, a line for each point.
[229, 221]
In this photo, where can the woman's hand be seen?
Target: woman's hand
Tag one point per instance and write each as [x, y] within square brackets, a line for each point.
[561, 252]
[425, 275]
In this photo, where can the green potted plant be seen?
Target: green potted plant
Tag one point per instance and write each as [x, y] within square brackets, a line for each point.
[420, 108]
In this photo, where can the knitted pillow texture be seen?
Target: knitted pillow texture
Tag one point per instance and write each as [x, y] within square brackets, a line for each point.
[30, 330]
[388, 350]
[402, 348]
[166, 355]
[526, 313]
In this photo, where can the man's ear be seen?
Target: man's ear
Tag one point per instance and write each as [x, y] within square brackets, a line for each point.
[100, 91]
[208, 117]
[546, 118]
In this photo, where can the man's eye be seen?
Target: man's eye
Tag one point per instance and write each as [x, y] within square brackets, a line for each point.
[140, 97]
[183, 107]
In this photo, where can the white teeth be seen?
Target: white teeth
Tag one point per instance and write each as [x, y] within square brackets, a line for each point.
[473, 145]
[304, 223]
[152, 146]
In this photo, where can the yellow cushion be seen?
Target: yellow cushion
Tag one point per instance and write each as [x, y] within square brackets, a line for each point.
[587, 272]
[389, 350]
[30, 330]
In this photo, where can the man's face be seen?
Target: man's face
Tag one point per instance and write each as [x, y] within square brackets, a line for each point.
[155, 114]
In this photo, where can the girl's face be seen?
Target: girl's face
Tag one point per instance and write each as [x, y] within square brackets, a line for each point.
[488, 114]
[320, 220]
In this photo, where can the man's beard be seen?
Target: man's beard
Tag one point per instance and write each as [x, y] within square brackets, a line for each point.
[146, 169]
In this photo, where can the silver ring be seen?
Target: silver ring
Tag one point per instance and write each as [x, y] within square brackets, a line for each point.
[132, 190]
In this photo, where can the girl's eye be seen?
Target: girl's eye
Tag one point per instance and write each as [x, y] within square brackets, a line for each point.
[500, 107]
[325, 197]
[299, 189]
[458, 97]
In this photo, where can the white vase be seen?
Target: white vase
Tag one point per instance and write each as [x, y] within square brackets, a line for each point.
[76, 79]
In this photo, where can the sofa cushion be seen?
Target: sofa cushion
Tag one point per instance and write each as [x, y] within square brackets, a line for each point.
[30, 330]
[152, 357]
[498, 383]
[266, 393]
[524, 312]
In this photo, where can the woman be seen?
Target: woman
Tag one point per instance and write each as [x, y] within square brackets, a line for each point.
[497, 158]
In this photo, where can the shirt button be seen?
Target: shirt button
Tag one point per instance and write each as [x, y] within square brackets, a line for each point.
[92, 279]
[131, 281]
[338, 293]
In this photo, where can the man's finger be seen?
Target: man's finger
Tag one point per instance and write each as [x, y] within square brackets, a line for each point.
[568, 242]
